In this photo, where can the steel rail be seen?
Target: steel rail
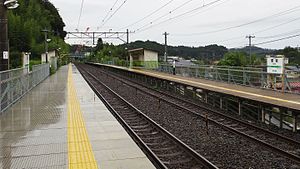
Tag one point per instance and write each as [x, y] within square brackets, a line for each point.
[231, 129]
[143, 145]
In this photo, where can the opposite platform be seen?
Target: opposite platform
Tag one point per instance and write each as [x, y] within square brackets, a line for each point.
[288, 100]
[38, 132]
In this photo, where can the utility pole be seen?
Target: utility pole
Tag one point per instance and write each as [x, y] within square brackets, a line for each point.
[166, 46]
[46, 31]
[127, 33]
[283, 76]
[3, 37]
[250, 47]
[127, 47]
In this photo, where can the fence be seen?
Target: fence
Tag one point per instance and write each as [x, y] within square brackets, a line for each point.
[14, 84]
[247, 76]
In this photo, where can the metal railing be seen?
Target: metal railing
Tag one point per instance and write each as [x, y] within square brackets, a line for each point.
[246, 76]
[14, 84]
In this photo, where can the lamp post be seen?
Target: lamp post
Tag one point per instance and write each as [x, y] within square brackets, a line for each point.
[4, 53]
[45, 31]
[126, 53]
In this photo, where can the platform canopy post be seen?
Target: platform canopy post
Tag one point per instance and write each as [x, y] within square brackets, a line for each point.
[221, 102]
[295, 122]
[240, 108]
[263, 115]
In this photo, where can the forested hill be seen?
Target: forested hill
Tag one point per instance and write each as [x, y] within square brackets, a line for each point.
[211, 51]
[25, 26]
[255, 50]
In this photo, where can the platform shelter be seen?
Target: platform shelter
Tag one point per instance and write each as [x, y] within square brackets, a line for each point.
[141, 57]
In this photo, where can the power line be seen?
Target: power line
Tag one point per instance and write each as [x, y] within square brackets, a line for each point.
[264, 30]
[279, 35]
[177, 16]
[276, 40]
[114, 13]
[170, 12]
[80, 14]
[258, 37]
[147, 16]
[107, 14]
[248, 23]
[276, 26]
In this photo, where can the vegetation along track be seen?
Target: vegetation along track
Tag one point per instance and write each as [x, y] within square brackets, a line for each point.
[163, 148]
[271, 154]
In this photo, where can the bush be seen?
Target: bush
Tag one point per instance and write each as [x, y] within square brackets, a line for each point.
[33, 62]
[15, 60]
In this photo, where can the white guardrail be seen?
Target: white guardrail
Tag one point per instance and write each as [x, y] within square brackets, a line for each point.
[14, 84]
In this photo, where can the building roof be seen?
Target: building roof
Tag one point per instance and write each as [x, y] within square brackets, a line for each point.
[141, 49]
[293, 68]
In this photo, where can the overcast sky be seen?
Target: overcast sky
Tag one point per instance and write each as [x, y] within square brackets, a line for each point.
[201, 22]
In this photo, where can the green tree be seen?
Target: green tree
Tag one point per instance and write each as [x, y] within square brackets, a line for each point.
[292, 53]
[234, 59]
[25, 24]
[99, 46]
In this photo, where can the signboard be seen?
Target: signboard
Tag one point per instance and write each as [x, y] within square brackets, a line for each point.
[5, 54]
[276, 64]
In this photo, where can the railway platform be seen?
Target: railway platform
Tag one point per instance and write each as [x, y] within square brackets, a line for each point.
[267, 96]
[264, 105]
[62, 124]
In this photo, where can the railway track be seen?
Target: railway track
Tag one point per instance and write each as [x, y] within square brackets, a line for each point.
[162, 148]
[285, 146]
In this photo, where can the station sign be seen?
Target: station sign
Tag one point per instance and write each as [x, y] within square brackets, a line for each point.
[275, 64]
[5, 54]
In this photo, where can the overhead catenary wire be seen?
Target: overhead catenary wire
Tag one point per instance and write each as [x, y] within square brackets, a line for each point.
[150, 25]
[166, 14]
[80, 14]
[278, 25]
[276, 40]
[147, 16]
[264, 30]
[110, 10]
[258, 37]
[170, 12]
[177, 16]
[294, 9]
[113, 13]
[279, 35]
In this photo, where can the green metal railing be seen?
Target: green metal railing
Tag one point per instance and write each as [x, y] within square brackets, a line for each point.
[246, 76]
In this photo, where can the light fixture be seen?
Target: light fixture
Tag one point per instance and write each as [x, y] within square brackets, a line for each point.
[11, 4]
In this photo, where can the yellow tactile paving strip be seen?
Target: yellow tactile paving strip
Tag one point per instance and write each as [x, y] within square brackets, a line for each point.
[80, 153]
